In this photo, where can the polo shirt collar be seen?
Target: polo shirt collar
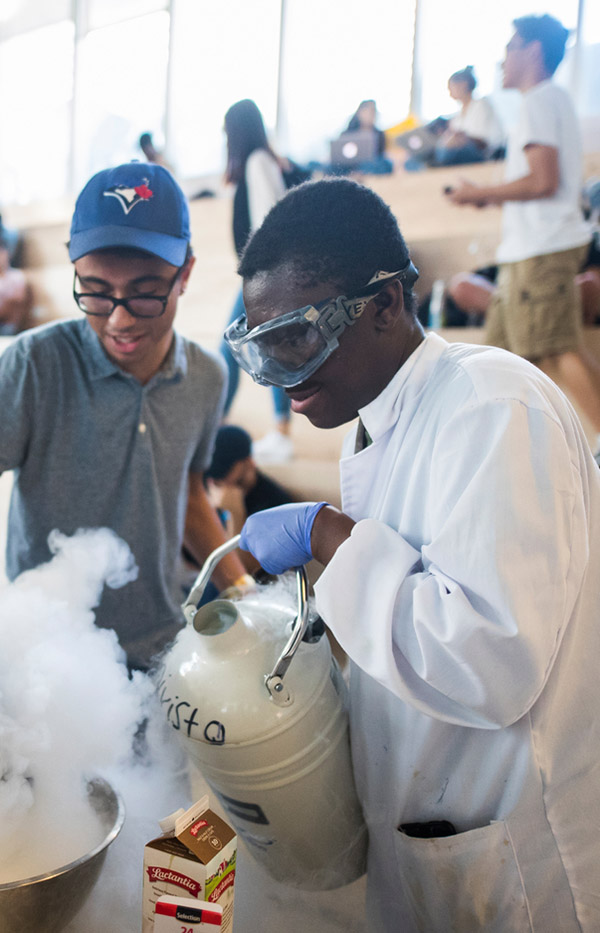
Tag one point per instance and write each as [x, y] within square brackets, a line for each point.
[176, 363]
[101, 366]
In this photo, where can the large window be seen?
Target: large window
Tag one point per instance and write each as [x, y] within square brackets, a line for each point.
[121, 91]
[99, 13]
[36, 86]
[224, 52]
[335, 55]
[587, 72]
[80, 80]
[471, 32]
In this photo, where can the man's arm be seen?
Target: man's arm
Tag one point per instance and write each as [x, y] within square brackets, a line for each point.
[453, 624]
[230, 499]
[330, 529]
[540, 182]
[204, 533]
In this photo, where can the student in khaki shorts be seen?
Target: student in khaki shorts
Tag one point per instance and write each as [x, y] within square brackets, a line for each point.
[536, 309]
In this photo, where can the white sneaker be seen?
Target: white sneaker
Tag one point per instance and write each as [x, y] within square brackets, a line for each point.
[273, 448]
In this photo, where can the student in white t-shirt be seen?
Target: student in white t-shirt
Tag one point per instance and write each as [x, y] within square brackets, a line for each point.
[475, 132]
[536, 310]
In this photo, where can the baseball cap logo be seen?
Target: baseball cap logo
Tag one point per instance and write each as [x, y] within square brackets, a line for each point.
[127, 196]
[162, 228]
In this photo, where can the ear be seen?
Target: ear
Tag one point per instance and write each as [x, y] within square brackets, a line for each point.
[185, 274]
[536, 53]
[389, 305]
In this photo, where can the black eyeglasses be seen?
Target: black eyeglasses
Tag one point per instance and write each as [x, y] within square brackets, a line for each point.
[138, 306]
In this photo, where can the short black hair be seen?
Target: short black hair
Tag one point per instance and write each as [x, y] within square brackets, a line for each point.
[232, 444]
[549, 32]
[330, 230]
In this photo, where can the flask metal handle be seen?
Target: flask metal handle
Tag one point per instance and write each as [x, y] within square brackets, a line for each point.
[274, 680]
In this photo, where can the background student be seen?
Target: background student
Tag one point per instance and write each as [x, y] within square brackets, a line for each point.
[257, 174]
[535, 310]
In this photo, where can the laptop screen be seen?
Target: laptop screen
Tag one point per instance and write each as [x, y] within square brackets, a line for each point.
[350, 149]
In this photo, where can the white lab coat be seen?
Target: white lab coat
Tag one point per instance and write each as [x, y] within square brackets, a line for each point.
[468, 599]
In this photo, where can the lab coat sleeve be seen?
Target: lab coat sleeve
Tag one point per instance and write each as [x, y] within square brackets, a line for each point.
[465, 626]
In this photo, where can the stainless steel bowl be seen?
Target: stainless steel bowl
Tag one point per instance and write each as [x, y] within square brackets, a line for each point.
[47, 903]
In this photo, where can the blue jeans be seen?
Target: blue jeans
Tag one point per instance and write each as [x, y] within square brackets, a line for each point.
[459, 155]
[281, 402]
[445, 155]
[380, 165]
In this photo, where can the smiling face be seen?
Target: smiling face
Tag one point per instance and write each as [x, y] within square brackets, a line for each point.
[137, 345]
[369, 352]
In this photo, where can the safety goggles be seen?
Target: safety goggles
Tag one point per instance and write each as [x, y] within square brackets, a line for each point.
[288, 349]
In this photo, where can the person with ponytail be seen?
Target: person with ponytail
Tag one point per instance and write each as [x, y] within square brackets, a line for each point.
[475, 133]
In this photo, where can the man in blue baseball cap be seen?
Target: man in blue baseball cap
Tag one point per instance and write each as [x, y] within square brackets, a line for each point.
[109, 419]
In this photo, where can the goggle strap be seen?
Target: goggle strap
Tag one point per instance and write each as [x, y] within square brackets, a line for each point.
[380, 276]
[336, 317]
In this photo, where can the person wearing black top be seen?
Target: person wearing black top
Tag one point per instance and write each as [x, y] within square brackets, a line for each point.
[237, 486]
[364, 118]
[257, 173]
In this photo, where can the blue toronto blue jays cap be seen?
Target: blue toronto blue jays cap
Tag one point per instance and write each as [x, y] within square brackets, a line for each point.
[139, 205]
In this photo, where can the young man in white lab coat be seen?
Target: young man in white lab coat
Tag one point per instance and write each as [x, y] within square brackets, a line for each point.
[461, 577]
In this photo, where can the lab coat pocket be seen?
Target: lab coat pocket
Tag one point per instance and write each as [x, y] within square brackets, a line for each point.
[463, 883]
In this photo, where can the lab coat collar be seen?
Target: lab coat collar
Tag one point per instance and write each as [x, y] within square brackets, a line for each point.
[384, 411]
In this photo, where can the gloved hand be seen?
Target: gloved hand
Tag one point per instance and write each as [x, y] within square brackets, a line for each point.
[279, 538]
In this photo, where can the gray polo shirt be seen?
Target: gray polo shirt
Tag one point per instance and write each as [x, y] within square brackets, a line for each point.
[91, 447]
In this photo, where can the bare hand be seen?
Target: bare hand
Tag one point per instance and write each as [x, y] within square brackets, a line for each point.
[467, 193]
[453, 140]
[222, 495]
[231, 498]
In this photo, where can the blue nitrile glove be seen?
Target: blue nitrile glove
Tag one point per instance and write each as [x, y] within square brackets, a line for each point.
[279, 538]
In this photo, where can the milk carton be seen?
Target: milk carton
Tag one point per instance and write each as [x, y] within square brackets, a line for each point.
[194, 858]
